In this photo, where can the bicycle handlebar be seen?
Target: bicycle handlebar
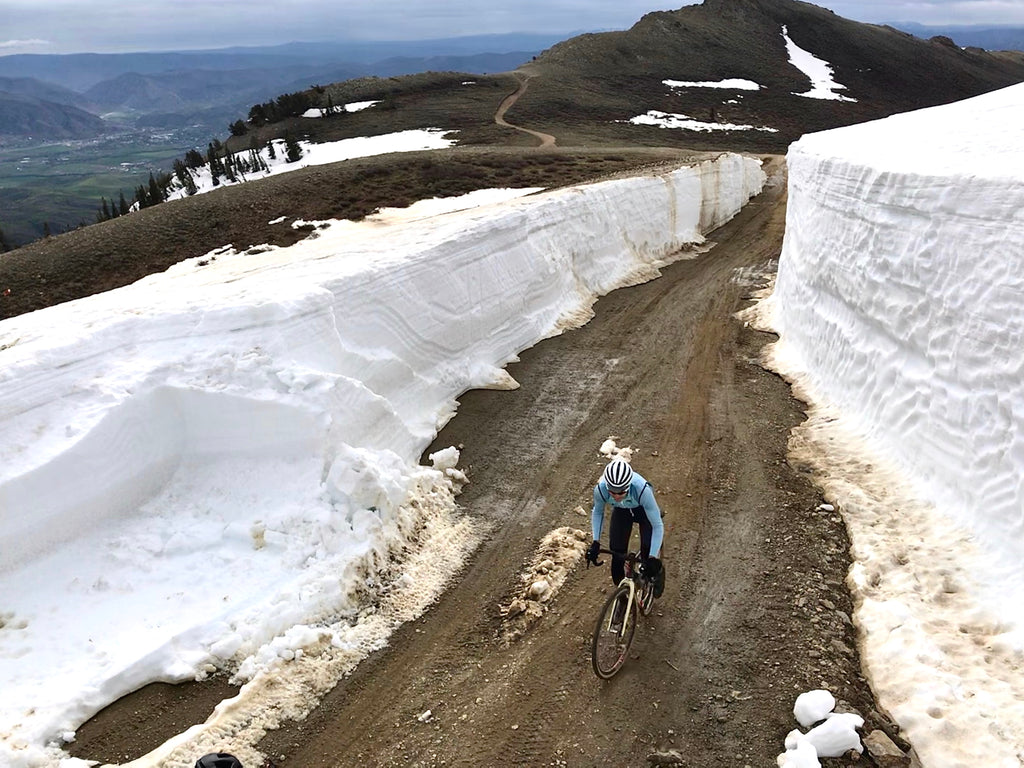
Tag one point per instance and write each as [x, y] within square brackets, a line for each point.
[630, 557]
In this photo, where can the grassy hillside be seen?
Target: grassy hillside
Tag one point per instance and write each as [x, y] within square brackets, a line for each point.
[583, 91]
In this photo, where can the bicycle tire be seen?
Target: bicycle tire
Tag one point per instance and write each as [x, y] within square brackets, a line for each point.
[608, 650]
[645, 596]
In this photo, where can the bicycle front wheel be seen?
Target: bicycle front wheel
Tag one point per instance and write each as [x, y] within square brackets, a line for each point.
[613, 634]
[645, 596]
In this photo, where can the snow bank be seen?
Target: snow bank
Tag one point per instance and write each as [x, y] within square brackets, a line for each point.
[899, 302]
[900, 294]
[226, 453]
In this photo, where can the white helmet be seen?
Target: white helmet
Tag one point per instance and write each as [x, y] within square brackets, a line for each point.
[618, 475]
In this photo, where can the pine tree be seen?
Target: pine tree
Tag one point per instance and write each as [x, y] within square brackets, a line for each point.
[292, 146]
[4, 246]
[155, 194]
[104, 211]
[216, 167]
[46, 229]
[270, 150]
[122, 204]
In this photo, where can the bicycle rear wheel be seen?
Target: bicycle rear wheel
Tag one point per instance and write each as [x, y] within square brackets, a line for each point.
[611, 641]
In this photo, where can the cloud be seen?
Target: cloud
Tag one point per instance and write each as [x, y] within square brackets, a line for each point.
[149, 25]
[22, 43]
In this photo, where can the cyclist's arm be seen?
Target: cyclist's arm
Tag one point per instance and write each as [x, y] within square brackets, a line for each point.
[654, 517]
[597, 513]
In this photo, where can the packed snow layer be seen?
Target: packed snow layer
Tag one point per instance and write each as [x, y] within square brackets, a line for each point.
[207, 463]
[899, 302]
[901, 292]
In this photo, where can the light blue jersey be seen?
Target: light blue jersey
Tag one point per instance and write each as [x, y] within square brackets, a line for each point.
[640, 494]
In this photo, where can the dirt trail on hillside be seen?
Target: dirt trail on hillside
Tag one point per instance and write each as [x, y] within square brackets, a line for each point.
[546, 139]
[754, 613]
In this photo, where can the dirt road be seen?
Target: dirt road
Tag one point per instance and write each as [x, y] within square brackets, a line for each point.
[546, 139]
[754, 613]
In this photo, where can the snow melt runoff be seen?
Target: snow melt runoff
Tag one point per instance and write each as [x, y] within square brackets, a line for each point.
[212, 468]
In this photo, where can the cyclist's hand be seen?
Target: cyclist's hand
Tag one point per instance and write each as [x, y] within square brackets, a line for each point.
[593, 552]
[652, 567]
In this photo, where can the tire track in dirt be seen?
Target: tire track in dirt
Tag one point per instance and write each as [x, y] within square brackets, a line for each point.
[652, 368]
[668, 370]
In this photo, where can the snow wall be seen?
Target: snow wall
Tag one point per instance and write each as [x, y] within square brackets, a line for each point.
[346, 342]
[899, 300]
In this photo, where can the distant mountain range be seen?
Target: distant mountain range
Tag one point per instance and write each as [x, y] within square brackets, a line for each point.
[42, 96]
[592, 90]
[25, 115]
[48, 97]
[990, 38]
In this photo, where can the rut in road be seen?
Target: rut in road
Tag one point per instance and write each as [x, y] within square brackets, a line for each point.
[665, 368]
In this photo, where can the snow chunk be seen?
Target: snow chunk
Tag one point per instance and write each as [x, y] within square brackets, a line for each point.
[813, 707]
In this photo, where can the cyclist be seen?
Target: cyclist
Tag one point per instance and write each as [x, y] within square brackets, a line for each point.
[632, 501]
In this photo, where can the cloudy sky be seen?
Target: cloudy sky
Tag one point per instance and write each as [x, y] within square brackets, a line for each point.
[71, 26]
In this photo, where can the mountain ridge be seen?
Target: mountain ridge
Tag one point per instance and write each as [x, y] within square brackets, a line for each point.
[587, 92]
[886, 70]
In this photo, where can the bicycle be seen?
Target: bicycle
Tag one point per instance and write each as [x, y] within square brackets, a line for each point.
[616, 626]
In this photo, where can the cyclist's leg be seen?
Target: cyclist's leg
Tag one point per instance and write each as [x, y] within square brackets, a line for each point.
[619, 530]
[646, 531]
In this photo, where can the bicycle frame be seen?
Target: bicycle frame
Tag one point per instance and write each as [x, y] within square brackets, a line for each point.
[630, 580]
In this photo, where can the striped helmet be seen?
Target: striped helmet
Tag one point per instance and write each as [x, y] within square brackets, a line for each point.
[618, 475]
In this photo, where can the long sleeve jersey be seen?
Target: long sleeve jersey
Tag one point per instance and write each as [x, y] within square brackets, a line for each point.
[640, 494]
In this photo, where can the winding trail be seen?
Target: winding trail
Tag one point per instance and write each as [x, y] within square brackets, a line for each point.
[546, 139]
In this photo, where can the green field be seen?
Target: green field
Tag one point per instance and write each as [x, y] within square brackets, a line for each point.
[59, 185]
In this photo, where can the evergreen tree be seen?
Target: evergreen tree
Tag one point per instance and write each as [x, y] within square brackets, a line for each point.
[4, 246]
[292, 146]
[155, 194]
[258, 115]
[122, 204]
[180, 171]
[46, 229]
[238, 128]
[104, 211]
[270, 150]
[216, 167]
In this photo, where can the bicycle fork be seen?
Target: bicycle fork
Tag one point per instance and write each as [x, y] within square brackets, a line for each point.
[628, 615]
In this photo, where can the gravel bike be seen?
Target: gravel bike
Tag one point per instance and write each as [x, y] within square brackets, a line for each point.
[616, 626]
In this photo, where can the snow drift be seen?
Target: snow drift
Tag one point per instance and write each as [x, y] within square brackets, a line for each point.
[207, 468]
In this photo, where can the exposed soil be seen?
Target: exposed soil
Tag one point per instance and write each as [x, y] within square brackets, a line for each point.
[755, 611]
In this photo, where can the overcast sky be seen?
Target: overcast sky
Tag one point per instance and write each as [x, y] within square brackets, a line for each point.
[71, 26]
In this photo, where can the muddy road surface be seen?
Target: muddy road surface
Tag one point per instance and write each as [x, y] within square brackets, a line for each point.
[755, 610]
